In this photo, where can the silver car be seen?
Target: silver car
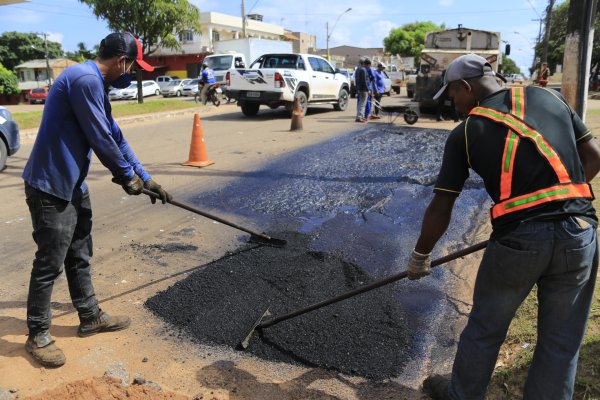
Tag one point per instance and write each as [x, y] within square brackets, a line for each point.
[174, 88]
[191, 88]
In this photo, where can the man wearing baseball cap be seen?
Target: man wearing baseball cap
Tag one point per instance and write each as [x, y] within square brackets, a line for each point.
[535, 157]
[77, 121]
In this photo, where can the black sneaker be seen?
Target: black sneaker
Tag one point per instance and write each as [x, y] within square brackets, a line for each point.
[42, 348]
[436, 386]
[103, 323]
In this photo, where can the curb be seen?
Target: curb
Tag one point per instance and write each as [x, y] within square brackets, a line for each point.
[31, 133]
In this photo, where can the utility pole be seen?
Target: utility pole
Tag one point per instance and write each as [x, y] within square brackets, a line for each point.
[243, 19]
[45, 35]
[537, 43]
[578, 53]
[547, 31]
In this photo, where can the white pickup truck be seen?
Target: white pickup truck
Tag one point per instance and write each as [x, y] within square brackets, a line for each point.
[278, 79]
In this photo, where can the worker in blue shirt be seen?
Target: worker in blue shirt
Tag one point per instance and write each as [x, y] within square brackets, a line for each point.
[207, 80]
[378, 89]
[77, 120]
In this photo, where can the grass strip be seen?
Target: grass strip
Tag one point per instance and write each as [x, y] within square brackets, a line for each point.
[32, 119]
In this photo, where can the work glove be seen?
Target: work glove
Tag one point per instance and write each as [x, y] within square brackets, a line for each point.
[152, 186]
[132, 186]
[419, 265]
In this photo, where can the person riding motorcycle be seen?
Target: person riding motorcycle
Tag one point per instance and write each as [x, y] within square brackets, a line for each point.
[206, 82]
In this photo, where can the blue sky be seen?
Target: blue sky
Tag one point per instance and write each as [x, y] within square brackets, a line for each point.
[70, 22]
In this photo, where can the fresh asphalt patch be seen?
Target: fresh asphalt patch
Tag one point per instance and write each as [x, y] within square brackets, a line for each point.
[365, 335]
[350, 209]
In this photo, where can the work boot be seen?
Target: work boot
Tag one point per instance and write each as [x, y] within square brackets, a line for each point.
[103, 323]
[42, 348]
[436, 386]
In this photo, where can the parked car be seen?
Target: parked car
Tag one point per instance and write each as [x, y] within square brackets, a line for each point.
[174, 88]
[9, 136]
[163, 80]
[149, 88]
[386, 79]
[515, 78]
[191, 88]
[116, 94]
[38, 95]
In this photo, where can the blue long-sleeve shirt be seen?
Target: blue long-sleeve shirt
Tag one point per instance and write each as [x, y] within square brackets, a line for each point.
[77, 119]
[378, 81]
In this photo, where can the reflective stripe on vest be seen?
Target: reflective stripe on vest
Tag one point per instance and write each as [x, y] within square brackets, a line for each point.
[517, 129]
[511, 143]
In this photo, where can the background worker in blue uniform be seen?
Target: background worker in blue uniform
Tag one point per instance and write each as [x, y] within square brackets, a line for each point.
[378, 89]
[207, 79]
[536, 158]
[371, 85]
[77, 120]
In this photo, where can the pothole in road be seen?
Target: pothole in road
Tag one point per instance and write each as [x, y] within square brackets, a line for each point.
[365, 335]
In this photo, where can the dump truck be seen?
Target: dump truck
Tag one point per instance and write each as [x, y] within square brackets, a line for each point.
[442, 47]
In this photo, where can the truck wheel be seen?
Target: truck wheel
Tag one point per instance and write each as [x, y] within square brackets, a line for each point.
[342, 102]
[301, 96]
[409, 94]
[3, 154]
[250, 109]
[396, 89]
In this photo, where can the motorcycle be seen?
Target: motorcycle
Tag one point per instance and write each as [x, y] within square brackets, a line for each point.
[213, 94]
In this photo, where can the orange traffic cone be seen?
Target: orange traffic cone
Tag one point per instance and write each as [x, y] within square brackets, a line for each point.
[198, 155]
[296, 116]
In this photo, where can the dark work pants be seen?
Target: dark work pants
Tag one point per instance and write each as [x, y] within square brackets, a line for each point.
[62, 232]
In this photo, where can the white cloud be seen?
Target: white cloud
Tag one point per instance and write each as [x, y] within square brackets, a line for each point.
[446, 3]
[56, 37]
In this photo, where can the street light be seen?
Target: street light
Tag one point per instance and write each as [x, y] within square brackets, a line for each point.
[329, 32]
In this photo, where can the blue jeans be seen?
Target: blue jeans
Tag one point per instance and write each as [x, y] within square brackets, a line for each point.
[62, 233]
[361, 104]
[561, 258]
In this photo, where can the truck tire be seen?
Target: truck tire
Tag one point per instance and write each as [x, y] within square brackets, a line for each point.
[342, 103]
[409, 94]
[250, 109]
[396, 89]
[301, 96]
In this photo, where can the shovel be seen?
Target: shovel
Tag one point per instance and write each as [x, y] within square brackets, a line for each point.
[260, 324]
[255, 237]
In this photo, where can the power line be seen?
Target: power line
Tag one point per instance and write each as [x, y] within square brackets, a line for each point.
[51, 12]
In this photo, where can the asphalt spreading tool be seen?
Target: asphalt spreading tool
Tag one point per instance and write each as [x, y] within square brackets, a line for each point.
[260, 324]
[255, 237]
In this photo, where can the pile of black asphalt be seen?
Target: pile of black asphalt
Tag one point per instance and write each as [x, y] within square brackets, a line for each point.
[218, 304]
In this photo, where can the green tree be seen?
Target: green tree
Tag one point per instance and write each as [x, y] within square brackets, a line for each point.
[154, 22]
[558, 33]
[8, 81]
[509, 66]
[17, 48]
[81, 54]
[409, 39]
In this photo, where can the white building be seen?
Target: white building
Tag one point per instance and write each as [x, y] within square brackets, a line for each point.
[215, 27]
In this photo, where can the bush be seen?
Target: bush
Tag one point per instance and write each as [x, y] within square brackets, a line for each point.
[8, 81]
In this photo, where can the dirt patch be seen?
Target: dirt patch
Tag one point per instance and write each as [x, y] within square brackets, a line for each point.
[365, 335]
[105, 388]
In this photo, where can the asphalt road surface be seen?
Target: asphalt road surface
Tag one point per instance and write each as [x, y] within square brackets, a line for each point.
[141, 248]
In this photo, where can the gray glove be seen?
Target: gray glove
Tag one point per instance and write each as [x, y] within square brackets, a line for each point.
[133, 186]
[152, 186]
[419, 265]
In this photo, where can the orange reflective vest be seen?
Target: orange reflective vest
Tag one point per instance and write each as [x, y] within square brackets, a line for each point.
[518, 130]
